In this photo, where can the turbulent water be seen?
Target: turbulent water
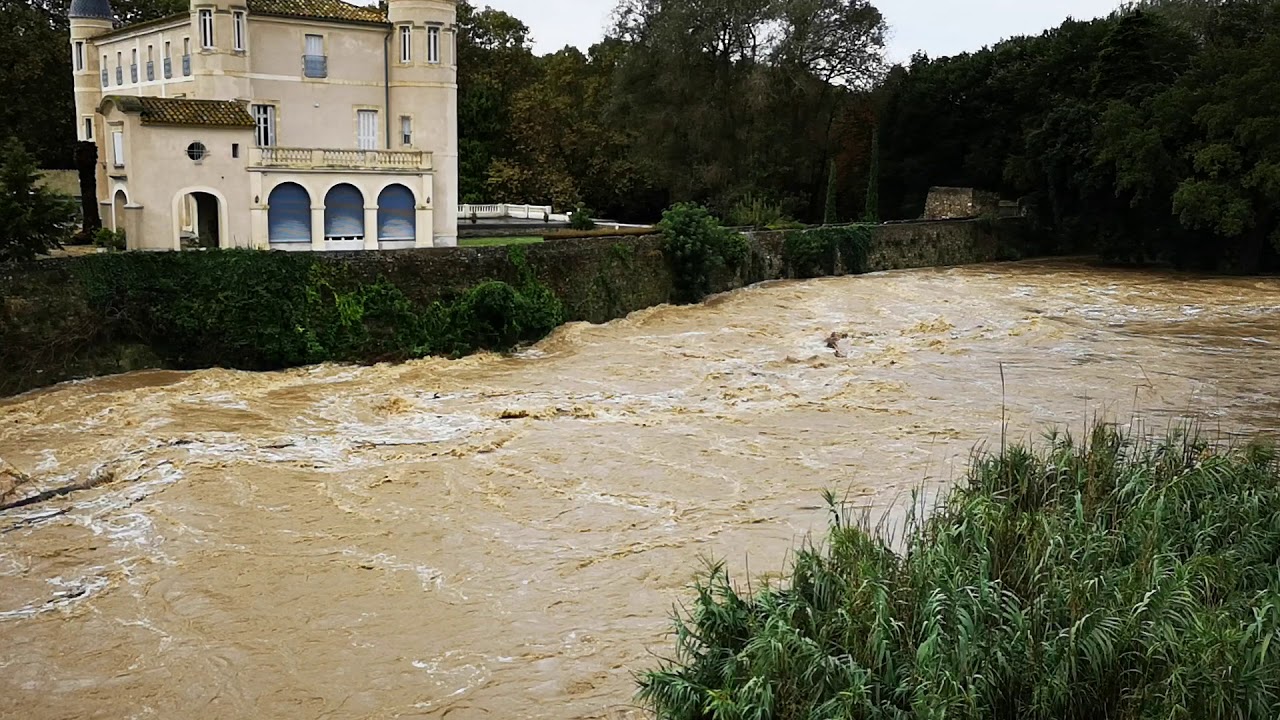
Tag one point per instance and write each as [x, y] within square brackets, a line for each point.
[505, 536]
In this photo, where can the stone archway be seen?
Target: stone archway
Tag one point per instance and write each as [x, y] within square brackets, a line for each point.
[200, 224]
[118, 203]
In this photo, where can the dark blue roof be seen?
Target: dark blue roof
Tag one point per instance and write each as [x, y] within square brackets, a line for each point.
[96, 9]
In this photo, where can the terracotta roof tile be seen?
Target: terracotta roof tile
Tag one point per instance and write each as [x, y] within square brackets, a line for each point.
[322, 9]
[182, 111]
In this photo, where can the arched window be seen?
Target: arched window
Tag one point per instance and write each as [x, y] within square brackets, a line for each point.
[396, 214]
[289, 214]
[344, 213]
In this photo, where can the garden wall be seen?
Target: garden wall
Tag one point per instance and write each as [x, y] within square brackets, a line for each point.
[50, 332]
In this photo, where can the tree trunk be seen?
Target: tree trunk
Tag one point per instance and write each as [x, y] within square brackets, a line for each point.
[87, 165]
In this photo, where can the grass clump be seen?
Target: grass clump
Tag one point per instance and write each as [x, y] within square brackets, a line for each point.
[1104, 579]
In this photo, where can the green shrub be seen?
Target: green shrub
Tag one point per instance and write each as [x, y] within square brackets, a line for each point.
[816, 252]
[581, 219]
[697, 246]
[757, 212]
[1107, 579]
[110, 239]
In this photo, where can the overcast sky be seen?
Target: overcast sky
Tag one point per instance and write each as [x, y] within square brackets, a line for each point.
[939, 27]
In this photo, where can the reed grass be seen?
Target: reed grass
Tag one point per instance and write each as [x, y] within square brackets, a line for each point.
[1090, 580]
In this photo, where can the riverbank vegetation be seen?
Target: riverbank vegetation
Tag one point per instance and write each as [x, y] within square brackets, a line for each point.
[260, 311]
[1101, 579]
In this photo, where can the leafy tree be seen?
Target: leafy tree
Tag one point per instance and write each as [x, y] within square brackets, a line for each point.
[33, 220]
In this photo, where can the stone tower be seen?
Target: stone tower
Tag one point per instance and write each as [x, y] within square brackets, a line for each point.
[424, 89]
[89, 19]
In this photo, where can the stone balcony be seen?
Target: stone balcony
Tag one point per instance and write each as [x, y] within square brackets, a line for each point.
[330, 160]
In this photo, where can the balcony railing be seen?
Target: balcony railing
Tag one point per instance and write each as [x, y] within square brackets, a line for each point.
[151, 70]
[315, 66]
[519, 212]
[325, 159]
[186, 66]
[133, 73]
[168, 68]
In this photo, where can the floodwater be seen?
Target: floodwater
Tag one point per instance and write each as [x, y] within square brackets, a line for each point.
[505, 537]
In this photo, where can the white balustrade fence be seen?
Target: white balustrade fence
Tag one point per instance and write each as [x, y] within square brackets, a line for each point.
[540, 213]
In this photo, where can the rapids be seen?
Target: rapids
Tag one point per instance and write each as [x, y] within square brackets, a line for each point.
[505, 537]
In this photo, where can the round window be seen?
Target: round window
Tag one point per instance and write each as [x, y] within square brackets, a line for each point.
[197, 151]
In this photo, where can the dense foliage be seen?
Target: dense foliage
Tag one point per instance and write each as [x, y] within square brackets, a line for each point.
[822, 251]
[706, 102]
[33, 220]
[698, 247]
[256, 310]
[1150, 135]
[1100, 580]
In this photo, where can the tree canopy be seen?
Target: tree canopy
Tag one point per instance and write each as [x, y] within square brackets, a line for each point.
[1147, 135]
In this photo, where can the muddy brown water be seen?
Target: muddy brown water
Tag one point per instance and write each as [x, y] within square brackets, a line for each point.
[505, 536]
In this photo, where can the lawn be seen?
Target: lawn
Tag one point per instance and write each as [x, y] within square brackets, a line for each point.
[496, 241]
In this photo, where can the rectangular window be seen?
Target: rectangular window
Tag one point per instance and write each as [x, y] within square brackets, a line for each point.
[77, 57]
[433, 45]
[105, 80]
[133, 65]
[264, 117]
[367, 129]
[186, 57]
[235, 150]
[206, 29]
[314, 63]
[406, 130]
[88, 128]
[406, 44]
[237, 24]
[119, 68]
[151, 63]
[117, 148]
[168, 60]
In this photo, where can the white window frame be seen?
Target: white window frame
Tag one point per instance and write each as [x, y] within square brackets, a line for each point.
[367, 142]
[264, 123]
[239, 30]
[117, 148]
[433, 44]
[406, 44]
[206, 29]
[77, 55]
[406, 130]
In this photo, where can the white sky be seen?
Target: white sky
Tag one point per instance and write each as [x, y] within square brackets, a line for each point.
[939, 27]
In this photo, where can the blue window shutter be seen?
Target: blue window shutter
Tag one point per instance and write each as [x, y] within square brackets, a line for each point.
[397, 214]
[289, 214]
[344, 212]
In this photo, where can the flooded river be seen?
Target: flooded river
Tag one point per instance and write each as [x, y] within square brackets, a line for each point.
[504, 537]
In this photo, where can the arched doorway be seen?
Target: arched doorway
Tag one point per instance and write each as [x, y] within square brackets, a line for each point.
[344, 213]
[289, 216]
[397, 217]
[200, 224]
[118, 203]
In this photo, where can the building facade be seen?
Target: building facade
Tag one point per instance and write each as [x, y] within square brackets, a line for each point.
[281, 124]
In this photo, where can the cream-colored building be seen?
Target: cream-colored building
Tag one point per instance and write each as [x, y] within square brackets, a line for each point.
[282, 124]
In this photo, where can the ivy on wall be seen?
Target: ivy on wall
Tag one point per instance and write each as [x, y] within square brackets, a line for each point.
[821, 251]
